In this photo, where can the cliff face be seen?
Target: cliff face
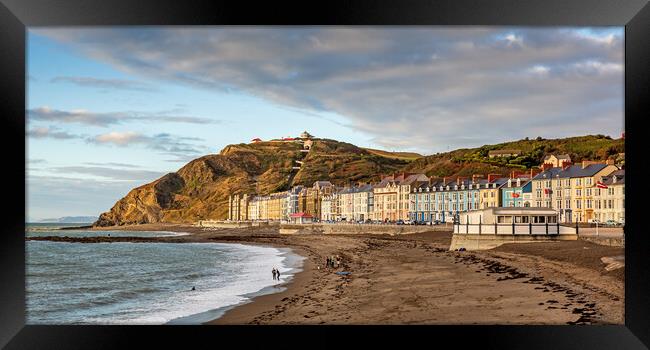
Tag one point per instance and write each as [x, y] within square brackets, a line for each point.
[200, 189]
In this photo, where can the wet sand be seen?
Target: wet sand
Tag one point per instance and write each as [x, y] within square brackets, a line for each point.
[414, 279]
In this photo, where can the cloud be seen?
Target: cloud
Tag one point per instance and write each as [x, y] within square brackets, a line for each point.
[118, 84]
[110, 173]
[417, 88]
[53, 133]
[121, 138]
[81, 116]
[120, 165]
[182, 148]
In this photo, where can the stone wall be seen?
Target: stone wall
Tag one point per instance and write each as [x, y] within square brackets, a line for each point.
[609, 241]
[484, 242]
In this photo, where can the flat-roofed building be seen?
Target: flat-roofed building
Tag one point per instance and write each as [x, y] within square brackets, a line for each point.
[509, 215]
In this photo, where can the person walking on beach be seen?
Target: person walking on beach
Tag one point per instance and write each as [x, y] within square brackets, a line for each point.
[277, 272]
[274, 272]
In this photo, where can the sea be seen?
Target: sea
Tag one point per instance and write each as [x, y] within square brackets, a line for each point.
[144, 283]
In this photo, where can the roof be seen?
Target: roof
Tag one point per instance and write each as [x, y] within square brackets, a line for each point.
[498, 181]
[579, 171]
[415, 178]
[357, 189]
[548, 173]
[558, 156]
[609, 179]
[513, 183]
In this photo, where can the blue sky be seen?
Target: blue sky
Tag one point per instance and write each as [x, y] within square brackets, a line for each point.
[112, 108]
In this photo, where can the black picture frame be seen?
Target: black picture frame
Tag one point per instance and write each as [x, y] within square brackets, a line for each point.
[16, 15]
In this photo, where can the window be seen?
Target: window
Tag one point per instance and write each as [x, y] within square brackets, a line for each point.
[568, 203]
[578, 192]
[504, 219]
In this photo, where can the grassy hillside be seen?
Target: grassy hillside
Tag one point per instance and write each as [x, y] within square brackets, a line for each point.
[464, 162]
[408, 156]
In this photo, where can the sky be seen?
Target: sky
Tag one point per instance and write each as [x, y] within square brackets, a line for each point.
[113, 108]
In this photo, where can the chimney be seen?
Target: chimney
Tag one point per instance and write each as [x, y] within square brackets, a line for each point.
[444, 180]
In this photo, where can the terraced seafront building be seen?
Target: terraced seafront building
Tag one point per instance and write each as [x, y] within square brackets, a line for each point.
[609, 197]
[581, 192]
[442, 200]
[571, 190]
[392, 196]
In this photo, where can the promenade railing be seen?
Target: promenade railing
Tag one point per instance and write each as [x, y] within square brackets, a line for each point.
[515, 229]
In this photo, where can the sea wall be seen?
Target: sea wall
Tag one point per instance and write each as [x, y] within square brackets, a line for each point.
[608, 241]
[380, 229]
[484, 242]
[357, 229]
[223, 224]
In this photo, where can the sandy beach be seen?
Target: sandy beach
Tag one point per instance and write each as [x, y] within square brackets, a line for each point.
[414, 279]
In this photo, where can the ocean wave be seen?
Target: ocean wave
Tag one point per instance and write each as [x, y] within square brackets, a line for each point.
[147, 283]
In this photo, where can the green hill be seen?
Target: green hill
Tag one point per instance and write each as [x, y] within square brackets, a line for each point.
[465, 162]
